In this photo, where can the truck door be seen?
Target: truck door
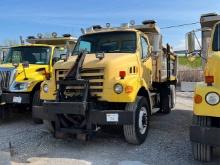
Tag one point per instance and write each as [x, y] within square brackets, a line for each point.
[146, 61]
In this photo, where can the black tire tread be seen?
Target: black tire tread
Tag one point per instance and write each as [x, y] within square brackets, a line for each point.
[130, 130]
[201, 152]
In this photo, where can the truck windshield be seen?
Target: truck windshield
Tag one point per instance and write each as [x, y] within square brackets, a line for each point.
[107, 42]
[33, 54]
[216, 39]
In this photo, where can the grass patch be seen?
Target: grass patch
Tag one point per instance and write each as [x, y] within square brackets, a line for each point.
[185, 62]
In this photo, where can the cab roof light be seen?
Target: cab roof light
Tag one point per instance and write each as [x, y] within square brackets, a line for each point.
[108, 25]
[39, 35]
[66, 35]
[209, 80]
[54, 34]
[145, 22]
[31, 37]
[97, 27]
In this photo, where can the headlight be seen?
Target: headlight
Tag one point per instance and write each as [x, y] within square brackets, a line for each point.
[212, 98]
[118, 88]
[45, 88]
[19, 86]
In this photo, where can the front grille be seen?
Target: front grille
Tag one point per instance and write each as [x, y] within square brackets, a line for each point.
[6, 77]
[94, 75]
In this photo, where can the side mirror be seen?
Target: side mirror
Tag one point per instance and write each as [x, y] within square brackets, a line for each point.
[63, 57]
[100, 56]
[25, 64]
[157, 43]
[15, 64]
[190, 42]
[55, 59]
[150, 48]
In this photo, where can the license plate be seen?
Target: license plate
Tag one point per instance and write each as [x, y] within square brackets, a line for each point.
[113, 117]
[17, 99]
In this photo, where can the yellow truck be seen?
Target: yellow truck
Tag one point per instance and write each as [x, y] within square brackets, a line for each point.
[26, 66]
[116, 76]
[205, 129]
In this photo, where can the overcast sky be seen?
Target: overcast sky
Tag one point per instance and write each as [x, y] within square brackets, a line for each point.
[28, 17]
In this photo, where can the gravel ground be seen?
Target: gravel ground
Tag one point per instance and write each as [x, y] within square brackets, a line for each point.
[167, 143]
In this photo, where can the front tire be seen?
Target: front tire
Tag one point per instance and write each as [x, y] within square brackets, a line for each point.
[37, 102]
[136, 133]
[202, 152]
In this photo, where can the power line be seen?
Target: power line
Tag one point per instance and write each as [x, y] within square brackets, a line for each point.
[181, 25]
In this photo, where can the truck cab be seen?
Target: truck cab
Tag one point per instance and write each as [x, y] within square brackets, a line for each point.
[25, 67]
[115, 76]
[205, 129]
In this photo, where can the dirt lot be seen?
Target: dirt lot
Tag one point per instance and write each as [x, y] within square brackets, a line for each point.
[167, 143]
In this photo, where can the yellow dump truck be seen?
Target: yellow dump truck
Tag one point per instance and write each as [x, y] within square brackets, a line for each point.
[205, 129]
[26, 66]
[115, 76]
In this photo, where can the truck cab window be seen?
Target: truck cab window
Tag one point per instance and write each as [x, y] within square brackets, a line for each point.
[107, 42]
[216, 39]
[33, 55]
[84, 46]
[144, 45]
[57, 54]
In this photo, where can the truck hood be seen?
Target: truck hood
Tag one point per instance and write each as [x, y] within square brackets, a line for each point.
[91, 61]
[31, 71]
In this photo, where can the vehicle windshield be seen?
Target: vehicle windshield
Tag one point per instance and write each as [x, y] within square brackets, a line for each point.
[107, 42]
[216, 39]
[33, 54]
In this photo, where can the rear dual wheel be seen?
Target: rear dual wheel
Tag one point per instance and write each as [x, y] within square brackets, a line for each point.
[167, 98]
[136, 133]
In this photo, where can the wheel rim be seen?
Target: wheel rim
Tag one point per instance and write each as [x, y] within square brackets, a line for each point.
[143, 120]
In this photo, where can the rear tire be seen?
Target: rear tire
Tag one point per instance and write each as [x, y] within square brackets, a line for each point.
[166, 101]
[49, 126]
[173, 96]
[202, 152]
[37, 102]
[137, 132]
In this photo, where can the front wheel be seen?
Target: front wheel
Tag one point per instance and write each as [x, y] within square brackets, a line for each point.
[136, 133]
[37, 102]
[202, 152]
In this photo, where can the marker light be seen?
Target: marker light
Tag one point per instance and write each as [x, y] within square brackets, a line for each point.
[122, 74]
[197, 99]
[128, 89]
[209, 80]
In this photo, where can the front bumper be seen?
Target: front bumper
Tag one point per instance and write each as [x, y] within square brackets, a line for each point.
[15, 98]
[205, 135]
[50, 111]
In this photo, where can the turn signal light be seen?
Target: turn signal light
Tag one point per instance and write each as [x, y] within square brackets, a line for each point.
[197, 99]
[209, 80]
[47, 75]
[122, 74]
[128, 89]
